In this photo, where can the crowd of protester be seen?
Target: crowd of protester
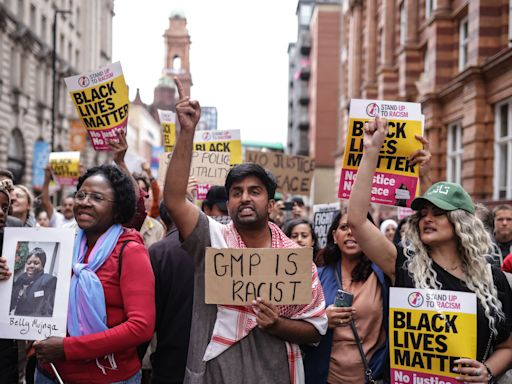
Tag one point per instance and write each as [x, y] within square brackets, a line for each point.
[137, 311]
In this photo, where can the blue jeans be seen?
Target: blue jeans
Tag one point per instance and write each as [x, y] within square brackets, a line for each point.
[39, 378]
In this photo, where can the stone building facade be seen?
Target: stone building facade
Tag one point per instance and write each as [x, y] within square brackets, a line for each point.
[455, 58]
[83, 43]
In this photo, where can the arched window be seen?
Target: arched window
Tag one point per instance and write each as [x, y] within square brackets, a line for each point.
[16, 155]
[176, 64]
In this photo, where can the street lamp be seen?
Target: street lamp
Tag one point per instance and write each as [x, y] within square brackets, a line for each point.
[54, 71]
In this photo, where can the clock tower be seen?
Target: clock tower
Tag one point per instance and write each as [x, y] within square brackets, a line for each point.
[177, 47]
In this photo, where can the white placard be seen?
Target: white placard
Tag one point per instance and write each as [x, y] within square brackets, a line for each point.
[34, 300]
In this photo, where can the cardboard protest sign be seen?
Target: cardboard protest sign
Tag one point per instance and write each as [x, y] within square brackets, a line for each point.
[168, 123]
[220, 141]
[294, 174]
[240, 275]
[34, 300]
[395, 181]
[65, 167]
[428, 331]
[101, 101]
[207, 167]
[323, 215]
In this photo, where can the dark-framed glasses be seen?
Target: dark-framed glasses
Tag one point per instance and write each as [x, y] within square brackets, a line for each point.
[94, 197]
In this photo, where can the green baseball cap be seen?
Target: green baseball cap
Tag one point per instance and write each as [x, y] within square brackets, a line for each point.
[447, 196]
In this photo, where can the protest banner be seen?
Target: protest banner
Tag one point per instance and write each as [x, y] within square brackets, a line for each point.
[39, 162]
[293, 174]
[428, 331]
[65, 167]
[39, 310]
[207, 167]
[220, 141]
[323, 215]
[101, 101]
[168, 123]
[395, 181]
[238, 276]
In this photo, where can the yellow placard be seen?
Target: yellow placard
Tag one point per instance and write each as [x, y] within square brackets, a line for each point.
[65, 167]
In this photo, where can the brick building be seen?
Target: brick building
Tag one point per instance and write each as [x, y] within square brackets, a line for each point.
[314, 92]
[454, 57]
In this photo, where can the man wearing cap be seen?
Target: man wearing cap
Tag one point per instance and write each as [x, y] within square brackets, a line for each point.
[237, 344]
[445, 248]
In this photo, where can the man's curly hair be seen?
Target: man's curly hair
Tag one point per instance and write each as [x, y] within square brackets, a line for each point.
[124, 207]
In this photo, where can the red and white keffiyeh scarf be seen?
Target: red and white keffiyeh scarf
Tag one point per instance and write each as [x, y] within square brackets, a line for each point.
[233, 323]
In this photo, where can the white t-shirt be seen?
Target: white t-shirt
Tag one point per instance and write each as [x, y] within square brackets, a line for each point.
[59, 221]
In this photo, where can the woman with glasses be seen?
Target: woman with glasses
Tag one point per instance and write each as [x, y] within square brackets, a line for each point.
[111, 308]
[337, 359]
[445, 247]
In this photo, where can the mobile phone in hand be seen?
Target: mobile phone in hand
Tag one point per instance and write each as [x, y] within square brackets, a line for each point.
[343, 298]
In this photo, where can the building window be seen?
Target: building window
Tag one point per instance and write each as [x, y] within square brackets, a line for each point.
[44, 27]
[305, 12]
[21, 9]
[503, 151]
[176, 64]
[454, 152]
[403, 23]
[430, 6]
[510, 23]
[463, 43]
[16, 155]
[32, 16]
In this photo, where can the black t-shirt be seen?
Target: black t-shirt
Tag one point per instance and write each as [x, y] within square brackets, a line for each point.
[174, 294]
[452, 283]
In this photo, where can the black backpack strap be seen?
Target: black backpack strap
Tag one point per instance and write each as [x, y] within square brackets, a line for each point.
[120, 259]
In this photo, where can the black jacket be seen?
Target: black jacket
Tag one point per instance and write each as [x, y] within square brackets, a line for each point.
[38, 298]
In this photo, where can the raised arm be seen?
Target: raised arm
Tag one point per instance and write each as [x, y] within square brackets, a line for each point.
[119, 149]
[183, 212]
[372, 242]
[46, 203]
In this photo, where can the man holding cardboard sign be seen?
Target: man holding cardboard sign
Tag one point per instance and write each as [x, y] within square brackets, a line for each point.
[238, 344]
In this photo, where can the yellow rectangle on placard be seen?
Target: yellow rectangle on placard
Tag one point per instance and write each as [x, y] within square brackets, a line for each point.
[104, 105]
[429, 341]
[232, 146]
[399, 145]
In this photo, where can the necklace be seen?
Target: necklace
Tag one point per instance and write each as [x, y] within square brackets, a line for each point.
[451, 269]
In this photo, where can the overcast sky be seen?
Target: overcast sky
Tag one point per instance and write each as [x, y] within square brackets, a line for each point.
[238, 57]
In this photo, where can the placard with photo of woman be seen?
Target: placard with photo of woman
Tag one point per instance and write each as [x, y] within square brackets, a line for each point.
[33, 302]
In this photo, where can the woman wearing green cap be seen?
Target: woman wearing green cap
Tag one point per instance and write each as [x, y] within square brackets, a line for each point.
[445, 248]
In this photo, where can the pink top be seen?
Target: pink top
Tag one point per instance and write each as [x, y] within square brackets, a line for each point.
[346, 365]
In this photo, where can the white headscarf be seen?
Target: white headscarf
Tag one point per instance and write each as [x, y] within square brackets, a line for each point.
[387, 223]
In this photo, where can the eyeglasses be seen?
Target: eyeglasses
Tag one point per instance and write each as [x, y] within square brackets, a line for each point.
[94, 197]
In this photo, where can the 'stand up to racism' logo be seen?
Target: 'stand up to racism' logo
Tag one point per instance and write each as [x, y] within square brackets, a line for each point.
[83, 81]
[415, 299]
[372, 110]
